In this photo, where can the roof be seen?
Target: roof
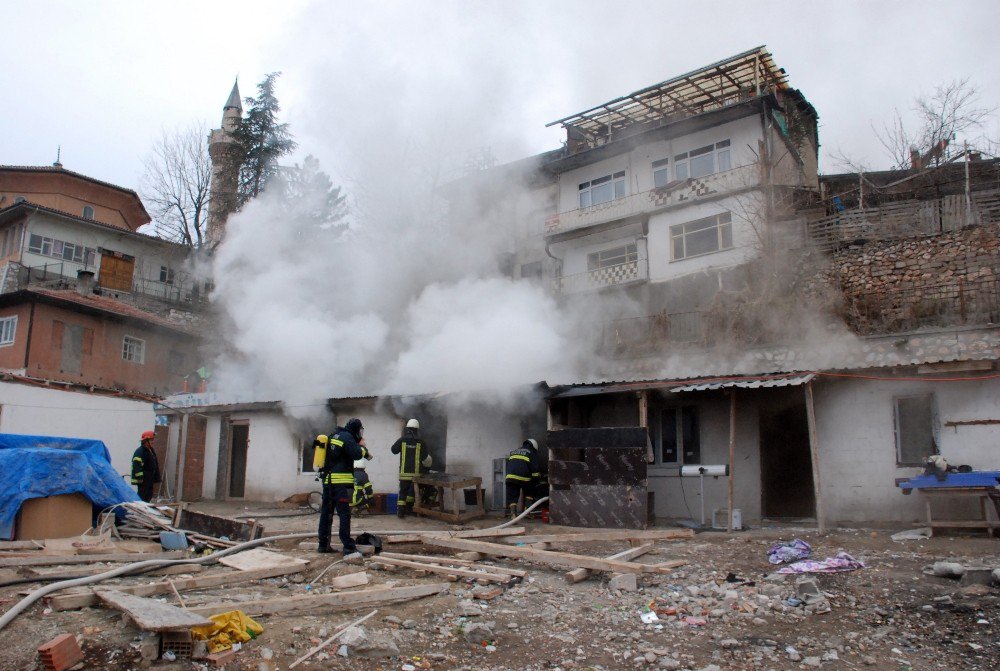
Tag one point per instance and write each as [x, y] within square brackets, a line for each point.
[732, 80]
[684, 385]
[76, 387]
[95, 304]
[59, 170]
[9, 210]
[234, 101]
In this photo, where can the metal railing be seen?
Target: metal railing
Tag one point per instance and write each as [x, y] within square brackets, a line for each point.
[54, 275]
[652, 331]
[960, 303]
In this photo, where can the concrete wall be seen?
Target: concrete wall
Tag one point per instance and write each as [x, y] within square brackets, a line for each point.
[858, 450]
[637, 163]
[119, 422]
[71, 194]
[478, 436]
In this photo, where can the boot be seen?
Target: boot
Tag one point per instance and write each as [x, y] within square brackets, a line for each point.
[512, 510]
[401, 510]
[324, 549]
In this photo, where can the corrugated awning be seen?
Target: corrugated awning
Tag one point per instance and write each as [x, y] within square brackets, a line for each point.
[747, 384]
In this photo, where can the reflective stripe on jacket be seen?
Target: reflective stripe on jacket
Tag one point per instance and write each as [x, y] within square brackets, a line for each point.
[411, 451]
[522, 466]
[342, 451]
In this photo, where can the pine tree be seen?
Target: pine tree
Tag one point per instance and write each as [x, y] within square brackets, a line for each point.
[264, 140]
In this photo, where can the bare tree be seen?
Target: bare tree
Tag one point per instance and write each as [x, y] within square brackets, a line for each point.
[175, 185]
[951, 113]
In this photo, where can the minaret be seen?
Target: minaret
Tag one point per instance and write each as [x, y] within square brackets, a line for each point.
[226, 154]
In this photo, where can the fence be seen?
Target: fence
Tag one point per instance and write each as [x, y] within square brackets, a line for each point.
[652, 331]
[903, 219]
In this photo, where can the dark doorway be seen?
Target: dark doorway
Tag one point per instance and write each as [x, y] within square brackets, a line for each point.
[238, 442]
[785, 463]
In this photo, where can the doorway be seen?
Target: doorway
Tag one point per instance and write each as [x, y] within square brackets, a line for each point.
[786, 463]
[239, 441]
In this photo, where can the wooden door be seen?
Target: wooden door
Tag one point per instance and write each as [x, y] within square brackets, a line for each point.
[116, 270]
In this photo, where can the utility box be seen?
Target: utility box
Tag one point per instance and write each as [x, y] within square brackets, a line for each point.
[597, 478]
[62, 516]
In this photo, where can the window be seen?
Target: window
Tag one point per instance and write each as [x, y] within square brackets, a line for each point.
[531, 271]
[680, 439]
[88, 212]
[8, 326]
[602, 189]
[702, 236]
[612, 257]
[914, 429]
[67, 251]
[134, 350]
[20, 199]
[661, 172]
[166, 275]
[703, 161]
[8, 245]
[308, 452]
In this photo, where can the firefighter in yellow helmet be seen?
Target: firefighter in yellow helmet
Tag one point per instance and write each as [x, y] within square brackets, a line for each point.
[414, 454]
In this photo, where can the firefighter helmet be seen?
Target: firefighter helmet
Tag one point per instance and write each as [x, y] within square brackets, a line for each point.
[148, 435]
[355, 427]
[532, 443]
[412, 424]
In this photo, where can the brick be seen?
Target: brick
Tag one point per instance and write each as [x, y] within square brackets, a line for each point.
[61, 653]
[221, 658]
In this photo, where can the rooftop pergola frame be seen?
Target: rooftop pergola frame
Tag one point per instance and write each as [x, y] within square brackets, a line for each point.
[736, 79]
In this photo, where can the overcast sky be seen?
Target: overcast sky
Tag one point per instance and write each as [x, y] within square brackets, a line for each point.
[104, 79]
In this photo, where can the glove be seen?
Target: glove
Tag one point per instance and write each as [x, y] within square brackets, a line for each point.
[426, 463]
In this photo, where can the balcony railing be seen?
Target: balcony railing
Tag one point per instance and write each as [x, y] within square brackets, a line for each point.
[645, 202]
[620, 274]
[961, 303]
[54, 275]
[651, 331]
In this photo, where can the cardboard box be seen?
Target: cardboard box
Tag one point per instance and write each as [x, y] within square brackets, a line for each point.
[62, 516]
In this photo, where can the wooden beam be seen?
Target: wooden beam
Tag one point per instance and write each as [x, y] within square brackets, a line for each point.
[732, 456]
[335, 601]
[416, 536]
[541, 556]
[579, 574]
[151, 615]
[443, 570]
[82, 599]
[608, 535]
[121, 557]
[814, 454]
[432, 559]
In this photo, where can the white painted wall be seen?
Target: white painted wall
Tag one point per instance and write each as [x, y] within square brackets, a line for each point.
[118, 422]
[478, 436]
[662, 268]
[150, 254]
[575, 258]
[637, 163]
[858, 449]
[679, 497]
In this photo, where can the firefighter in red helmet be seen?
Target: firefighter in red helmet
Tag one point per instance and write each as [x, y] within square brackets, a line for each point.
[145, 467]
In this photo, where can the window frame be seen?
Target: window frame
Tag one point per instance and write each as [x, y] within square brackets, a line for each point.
[597, 261]
[167, 275]
[128, 353]
[931, 427]
[719, 152]
[585, 190]
[680, 412]
[661, 167]
[724, 231]
[46, 246]
[88, 212]
[8, 325]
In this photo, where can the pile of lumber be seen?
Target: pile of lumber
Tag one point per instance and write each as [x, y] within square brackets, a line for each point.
[145, 521]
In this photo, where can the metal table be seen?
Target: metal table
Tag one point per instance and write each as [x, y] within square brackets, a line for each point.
[456, 485]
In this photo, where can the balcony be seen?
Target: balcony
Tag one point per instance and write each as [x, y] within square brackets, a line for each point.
[654, 200]
[650, 332]
[962, 303]
[54, 276]
[602, 278]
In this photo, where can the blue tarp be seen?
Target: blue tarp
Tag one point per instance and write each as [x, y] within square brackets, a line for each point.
[35, 466]
[973, 479]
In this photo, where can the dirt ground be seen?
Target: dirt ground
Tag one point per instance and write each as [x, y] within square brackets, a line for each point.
[886, 615]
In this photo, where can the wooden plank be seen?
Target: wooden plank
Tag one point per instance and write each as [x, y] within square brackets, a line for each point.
[578, 574]
[129, 557]
[438, 559]
[214, 525]
[444, 570]
[172, 569]
[335, 601]
[150, 615]
[541, 556]
[416, 536]
[356, 579]
[259, 558]
[608, 535]
[84, 598]
[22, 545]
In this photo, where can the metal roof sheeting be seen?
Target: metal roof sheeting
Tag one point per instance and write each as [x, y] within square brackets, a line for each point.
[747, 384]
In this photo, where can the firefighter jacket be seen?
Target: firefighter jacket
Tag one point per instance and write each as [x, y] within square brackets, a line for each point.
[522, 466]
[341, 452]
[145, 467]
[412, 451]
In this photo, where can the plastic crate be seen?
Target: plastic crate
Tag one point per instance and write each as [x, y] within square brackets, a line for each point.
[391, 503]
[379, 505]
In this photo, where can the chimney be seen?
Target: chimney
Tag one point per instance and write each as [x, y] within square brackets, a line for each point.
[915, 161]
[85, 282]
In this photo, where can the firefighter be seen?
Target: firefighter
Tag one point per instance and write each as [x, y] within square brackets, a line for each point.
[364, 493]
[523, 475]
[334, 458]
[413, 455]
[145, 467]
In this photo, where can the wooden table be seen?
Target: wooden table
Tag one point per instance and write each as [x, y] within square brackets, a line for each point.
[456, 485]
[984, 494]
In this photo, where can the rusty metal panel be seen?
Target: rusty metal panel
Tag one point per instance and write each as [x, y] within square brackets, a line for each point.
[597, 465]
